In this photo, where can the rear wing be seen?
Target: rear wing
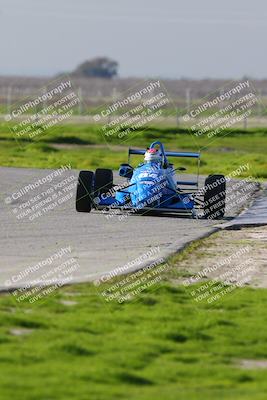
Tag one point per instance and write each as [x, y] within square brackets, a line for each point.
[168, 153]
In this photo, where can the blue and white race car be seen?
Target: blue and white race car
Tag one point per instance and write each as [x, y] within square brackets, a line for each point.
[152, 187]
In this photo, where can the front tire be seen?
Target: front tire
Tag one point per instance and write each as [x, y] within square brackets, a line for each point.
[214, 198]
[103, 180]
[84, 194]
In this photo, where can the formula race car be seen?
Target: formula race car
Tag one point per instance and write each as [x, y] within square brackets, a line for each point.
[152, 187]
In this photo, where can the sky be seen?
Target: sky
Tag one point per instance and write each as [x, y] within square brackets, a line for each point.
[166, 39]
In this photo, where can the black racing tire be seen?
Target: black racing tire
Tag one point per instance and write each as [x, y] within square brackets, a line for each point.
[84, 193]
[214, 197]
[103, 180]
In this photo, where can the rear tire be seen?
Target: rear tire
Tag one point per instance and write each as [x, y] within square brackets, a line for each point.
[103, 180]
[84, 194]
[214, 198]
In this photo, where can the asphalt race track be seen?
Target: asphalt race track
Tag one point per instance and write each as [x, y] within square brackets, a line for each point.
[40, 230]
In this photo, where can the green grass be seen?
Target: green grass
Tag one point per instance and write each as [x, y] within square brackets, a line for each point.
[162, 345]
[222, 155]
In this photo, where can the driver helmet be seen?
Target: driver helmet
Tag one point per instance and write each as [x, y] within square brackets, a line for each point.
[152, 155]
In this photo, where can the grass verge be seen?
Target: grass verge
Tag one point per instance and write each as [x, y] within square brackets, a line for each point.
[222, 155]
[160, 345]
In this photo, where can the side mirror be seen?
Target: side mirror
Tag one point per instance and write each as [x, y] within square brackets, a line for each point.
[126, 171]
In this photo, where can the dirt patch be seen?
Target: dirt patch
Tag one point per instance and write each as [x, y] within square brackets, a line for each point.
[20, 331]
[235, 257]
[253, 364]
[71, 146]
[68, 302]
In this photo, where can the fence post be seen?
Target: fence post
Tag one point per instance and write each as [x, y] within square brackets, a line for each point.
[80, 97]
[8, 99]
